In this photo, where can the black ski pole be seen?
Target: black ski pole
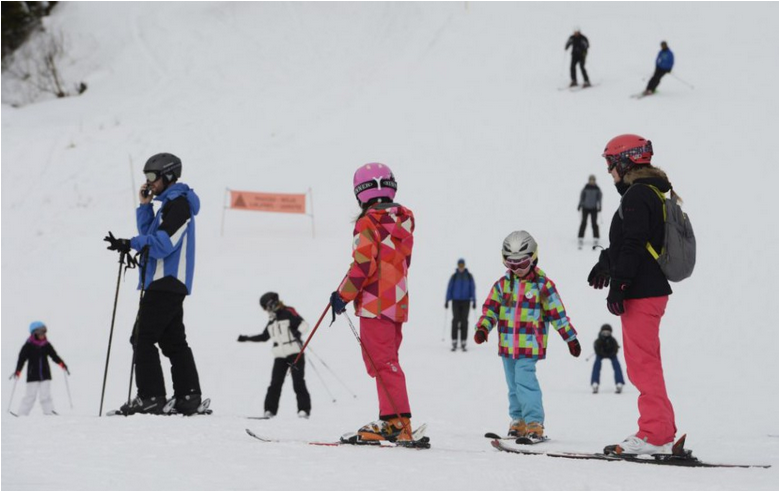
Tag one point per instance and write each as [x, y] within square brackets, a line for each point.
[312, 367]
[333, 373]
[143, 267]
[111, 332]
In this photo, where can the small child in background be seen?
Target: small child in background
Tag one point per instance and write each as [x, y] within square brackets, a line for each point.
[606, 347]
[36, 352]
[285, 328]
[522, 303]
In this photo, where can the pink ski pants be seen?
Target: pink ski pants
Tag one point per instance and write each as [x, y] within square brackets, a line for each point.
[382, 339]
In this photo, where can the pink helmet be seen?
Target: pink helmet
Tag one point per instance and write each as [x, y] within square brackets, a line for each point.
[373, 180]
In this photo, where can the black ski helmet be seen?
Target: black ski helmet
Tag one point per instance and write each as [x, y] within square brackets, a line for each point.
[269, 300]
[167, 165]
[606, 327]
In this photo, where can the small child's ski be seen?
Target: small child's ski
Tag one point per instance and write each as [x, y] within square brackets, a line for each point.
[259, 417]
[13, 414]
[495, 436]
[531, 440]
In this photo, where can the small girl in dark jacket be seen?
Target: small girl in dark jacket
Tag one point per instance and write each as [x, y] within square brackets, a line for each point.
[606, 347]
[35, 352]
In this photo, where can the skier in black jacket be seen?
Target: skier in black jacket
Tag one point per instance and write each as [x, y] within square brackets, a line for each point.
[36, 352]
[590, 205]
[606, 347]
[285, 329]
[638, 288]
[579, 45]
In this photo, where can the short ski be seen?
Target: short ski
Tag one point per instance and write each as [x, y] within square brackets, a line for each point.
[662, 460]
[519, 440]
[259, 417]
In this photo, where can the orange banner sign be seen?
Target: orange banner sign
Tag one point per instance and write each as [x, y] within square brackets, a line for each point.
[269, 202]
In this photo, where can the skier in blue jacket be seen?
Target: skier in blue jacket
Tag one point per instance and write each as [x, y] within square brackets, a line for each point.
[461, 292]
[167, 242]
[663, 65]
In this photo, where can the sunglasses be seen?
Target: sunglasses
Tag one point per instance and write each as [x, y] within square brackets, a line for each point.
[518, 264]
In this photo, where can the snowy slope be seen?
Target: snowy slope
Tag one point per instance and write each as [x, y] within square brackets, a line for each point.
[460, 100]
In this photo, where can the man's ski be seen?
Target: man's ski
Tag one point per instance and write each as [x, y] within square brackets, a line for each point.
[662, 459]
[168, 410]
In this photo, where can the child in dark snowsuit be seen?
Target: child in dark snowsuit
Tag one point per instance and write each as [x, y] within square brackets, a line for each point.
[606, 347]
[36, 352]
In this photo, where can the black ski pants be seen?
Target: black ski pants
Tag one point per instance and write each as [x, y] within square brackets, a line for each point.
[656, 78]
[579, 59]
[160, 322]
[593, 213]
[279, 371]
[459, 324]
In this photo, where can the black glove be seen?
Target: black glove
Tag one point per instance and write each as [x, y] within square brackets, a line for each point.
[615, 302]
[446, 306]
[599, 276]
[474, 305]
[243, 339]
[118, 245]
[338, 306]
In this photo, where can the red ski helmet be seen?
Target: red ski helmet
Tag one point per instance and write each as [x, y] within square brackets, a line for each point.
[627, 150]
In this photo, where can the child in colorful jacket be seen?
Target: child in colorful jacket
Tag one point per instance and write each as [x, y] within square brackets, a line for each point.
[521, 304]
[36, 352]
[377, 283]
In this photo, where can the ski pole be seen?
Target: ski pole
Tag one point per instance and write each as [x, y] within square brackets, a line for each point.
[445, 323]
[333, 373]
[111, 333]
[143, 267]
[374, 368]
[13, 391]
[67, 387]
[312, 367]
[684, 82]
[318, 324]
[589, 357]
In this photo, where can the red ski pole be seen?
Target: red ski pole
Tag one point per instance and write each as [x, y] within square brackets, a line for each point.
[301, 352]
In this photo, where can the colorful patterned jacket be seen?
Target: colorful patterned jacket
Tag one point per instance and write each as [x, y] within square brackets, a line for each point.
[522, 309]
[377, 281]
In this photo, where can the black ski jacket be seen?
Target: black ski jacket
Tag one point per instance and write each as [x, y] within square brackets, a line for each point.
[37, 360]
[579, 45]
[285, 328]
[605, 347]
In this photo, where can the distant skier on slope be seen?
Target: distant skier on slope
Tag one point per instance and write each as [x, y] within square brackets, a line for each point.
[285, 329]
[638, 288]
[579, 45]
[590, 205]
[605, 347]
[461, 292]
[522, 304]
[377, 283]
[36, 353]
[663, 65]
[169, 237]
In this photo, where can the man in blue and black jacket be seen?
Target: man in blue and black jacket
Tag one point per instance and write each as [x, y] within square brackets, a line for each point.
[167, 240]
[461, 292]
[663, 65]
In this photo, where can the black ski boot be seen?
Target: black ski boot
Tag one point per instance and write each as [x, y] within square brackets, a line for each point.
[144, 405]
[188, 404]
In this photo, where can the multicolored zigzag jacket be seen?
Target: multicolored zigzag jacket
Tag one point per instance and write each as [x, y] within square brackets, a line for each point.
[377, 280]
[522, 310]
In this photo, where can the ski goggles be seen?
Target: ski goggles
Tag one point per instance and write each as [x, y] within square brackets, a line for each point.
[632, 155]
[40, 331]
[151, 176]
[518, 264]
